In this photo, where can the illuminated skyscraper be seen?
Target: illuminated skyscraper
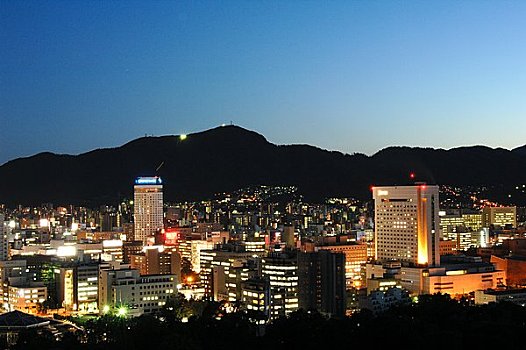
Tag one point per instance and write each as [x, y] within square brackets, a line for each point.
[407, 224]
[148, 206]
[281, 269]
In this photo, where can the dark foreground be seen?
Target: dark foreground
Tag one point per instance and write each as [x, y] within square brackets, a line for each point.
[435, 322]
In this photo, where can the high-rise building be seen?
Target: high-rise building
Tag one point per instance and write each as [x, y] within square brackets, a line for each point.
[407, 224]
[281, 269]
[256, 298]
[355, 257]
[148, 207]
[4, 244]
[321, 282]
[223, 269]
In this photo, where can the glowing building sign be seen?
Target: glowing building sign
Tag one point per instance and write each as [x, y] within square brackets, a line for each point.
[148, 180]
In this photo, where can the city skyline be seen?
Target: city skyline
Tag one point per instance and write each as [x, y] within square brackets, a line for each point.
[262, 174]
[348, 76]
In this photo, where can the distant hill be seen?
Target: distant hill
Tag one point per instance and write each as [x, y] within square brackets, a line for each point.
[227, 158]
[520, 150]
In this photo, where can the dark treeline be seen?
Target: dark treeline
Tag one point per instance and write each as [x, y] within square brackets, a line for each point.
[434, 322]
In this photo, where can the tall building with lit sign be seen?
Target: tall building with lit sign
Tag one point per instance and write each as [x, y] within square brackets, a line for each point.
[148, 206]
[407, 224]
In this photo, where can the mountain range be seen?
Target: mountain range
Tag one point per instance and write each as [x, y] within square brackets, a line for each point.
[229, 157]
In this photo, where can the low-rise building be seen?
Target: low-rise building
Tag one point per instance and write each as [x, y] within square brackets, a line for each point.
[516, 296]
[126, 288]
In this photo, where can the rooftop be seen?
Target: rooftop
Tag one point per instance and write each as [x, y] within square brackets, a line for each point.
[20, 320]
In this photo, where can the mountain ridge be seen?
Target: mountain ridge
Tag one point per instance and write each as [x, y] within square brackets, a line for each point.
[230, 157]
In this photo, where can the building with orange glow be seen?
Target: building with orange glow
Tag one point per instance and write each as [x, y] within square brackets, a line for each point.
[407, 224]
[460, 275]
[515, 268]
[448, 247]
[154, 262]
[355, 257]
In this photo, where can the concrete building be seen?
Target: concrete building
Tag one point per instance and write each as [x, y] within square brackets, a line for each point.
[321, 282]
[195, 257]
[126, 288]
[148, 207]
[281, 269]
[515, 268]
[459, 275]
[516, 296]
[154, 262]
[218, 270]
[129, 248]
[381, 300]
[4, 243]
[355, 258]
[448, 247]
[407, 224]
[288, 236]
[27, 298]
[499, 217]
[77, 287]
[19, 292]
[451, 224]
[256, 298]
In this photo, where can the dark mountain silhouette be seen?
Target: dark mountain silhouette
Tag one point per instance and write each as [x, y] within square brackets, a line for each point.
[520, 150]
[230, 157]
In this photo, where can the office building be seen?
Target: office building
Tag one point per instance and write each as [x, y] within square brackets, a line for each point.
[223, 269]
[157, 261]
[76, 287]
[407, 224]
[460, 275]
[27, 298]
[381, 300]
[125, 288]
[281, 269]
[499, 217]
[256, 298]
[516, 296]
[4, 243]
[19, 292]
[148, 207]
[130, 248]
[515, 268]
[355, 257]
[321, 282]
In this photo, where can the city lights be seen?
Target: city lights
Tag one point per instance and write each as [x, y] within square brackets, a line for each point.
[122, 311]
[367, 189]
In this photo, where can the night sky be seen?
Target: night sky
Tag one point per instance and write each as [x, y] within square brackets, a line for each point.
[354, 76]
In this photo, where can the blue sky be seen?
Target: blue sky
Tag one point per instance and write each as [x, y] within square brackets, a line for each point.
[354, 76]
